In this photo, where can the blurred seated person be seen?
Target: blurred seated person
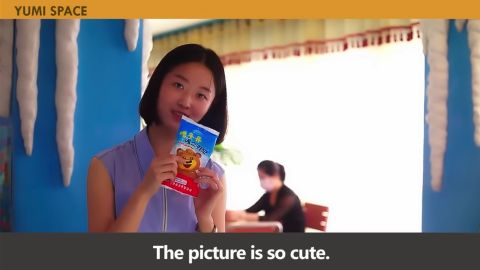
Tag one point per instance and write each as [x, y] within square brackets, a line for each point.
[279, 202]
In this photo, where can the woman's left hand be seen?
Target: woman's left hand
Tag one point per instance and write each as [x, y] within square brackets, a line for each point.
[207, 198]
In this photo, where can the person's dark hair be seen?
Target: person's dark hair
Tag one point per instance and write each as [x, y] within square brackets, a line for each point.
[216, 116]
[272, 168]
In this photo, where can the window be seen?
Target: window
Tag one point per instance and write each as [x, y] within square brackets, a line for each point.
[348, 127]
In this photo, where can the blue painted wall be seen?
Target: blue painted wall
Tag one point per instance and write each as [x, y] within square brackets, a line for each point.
[457, 207]
[108, 93]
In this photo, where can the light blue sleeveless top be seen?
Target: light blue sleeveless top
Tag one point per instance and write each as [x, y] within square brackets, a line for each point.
[168, 210]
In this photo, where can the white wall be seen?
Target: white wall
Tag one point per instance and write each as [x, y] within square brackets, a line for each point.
[347, 126]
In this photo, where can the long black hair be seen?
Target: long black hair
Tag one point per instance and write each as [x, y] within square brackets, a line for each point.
[217, 115]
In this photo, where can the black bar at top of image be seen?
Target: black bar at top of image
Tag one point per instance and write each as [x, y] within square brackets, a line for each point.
[344, 251]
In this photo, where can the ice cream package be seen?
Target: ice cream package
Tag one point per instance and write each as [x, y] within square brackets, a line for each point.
[194, 144]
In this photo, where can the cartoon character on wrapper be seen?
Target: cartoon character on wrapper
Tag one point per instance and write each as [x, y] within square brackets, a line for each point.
[194, 144]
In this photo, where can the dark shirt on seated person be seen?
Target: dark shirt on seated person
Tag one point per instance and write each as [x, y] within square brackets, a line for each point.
[287, 210]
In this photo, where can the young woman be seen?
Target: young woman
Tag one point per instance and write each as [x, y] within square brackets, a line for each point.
[279, 202]
[124, 183]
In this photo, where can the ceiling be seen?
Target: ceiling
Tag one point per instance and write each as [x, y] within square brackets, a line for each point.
[161, 26]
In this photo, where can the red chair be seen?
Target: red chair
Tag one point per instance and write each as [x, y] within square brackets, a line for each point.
[254, 227]
[316, 216]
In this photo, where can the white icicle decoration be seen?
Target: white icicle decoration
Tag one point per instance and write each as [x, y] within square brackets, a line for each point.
[146, 50]
[27, 44]
[435, 34]
[6, 50]
[131, 33]
[66, 33]
[459, 24]
[473, 27]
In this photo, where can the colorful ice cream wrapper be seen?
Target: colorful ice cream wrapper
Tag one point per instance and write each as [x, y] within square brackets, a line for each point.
[194, 144]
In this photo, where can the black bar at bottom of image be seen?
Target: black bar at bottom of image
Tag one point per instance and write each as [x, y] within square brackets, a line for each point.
[253, 250]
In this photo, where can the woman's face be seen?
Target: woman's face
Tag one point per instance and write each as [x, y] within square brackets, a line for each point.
[186, 90]
[267, 182]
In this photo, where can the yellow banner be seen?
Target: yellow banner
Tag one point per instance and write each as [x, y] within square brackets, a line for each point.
[226, 9]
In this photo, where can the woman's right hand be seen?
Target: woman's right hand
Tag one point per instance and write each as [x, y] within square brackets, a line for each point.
[232, 216]
[161, 169]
